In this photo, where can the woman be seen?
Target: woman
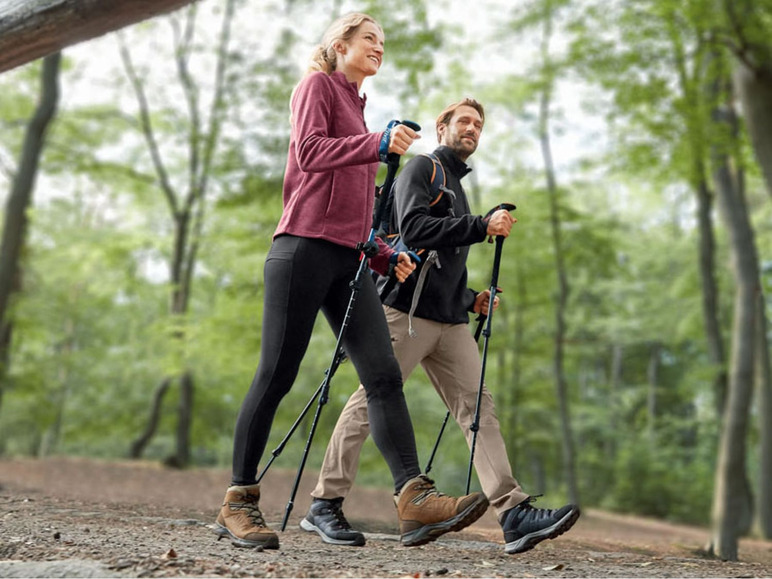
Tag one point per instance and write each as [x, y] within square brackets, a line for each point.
[328, 203]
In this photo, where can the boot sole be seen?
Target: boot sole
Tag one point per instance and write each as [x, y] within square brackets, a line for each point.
[306, 525]
[432, 532]
[271, 542]
[529, 541]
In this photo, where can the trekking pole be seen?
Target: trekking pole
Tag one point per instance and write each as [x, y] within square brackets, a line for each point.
[475, 427]
[368, 249]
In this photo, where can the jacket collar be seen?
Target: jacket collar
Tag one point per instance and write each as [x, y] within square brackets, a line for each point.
[351, 87]
[451, 161]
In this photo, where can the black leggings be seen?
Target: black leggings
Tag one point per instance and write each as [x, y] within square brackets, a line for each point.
[303, 276]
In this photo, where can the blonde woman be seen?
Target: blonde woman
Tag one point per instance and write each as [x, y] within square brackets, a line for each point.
[328, 205]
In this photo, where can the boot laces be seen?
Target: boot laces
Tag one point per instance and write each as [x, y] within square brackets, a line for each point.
[249, 505]
[430, 490]
[529, 511]
[526, 504]
[336, 511]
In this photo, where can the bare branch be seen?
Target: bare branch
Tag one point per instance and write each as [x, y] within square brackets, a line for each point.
[147, 127]
[212, 137]
[182, 49]
[215, 116]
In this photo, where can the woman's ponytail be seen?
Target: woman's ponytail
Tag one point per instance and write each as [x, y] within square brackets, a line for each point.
[323, 60]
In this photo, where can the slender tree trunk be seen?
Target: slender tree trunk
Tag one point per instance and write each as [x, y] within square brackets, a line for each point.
[652, 374]
[139, 445]
[752, 80]
[185, 419]
[20, 200]
[6, 330]
[615, 387]
[560, 270]
[754, 87]
[560, 323]
[518, 343]
[764, 391]
[710, 305]
[731, 492]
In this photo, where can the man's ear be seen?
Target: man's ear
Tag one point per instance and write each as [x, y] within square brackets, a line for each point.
[441, 128]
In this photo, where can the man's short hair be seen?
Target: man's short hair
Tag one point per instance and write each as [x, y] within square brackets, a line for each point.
[444, 117]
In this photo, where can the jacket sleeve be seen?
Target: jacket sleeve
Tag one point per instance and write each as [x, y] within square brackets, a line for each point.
[470, 296]
[380, 263]
[417, 226]
[318, 150]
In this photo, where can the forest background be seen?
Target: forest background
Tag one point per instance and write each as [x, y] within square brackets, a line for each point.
[629, 361]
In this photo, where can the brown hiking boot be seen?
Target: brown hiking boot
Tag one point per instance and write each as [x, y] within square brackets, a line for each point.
[240, 519]
[425, 513]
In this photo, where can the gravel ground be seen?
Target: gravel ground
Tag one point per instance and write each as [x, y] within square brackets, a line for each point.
[78, 518]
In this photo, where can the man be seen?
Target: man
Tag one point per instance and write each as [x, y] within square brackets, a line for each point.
[434, 332]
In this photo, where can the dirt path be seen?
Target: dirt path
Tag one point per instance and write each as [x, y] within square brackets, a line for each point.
[79, 518]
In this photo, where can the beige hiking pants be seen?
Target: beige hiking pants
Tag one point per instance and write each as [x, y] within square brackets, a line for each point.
[451, 359]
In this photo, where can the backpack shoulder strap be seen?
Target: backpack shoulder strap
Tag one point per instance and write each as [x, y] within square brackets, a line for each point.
[438, 178]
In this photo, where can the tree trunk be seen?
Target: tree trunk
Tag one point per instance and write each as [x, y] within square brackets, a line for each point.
[19, 201]
[518, 344]
[184, 420]
[754, 87]
[31, 29]
[710, 306]
[731, 493]
[615, 388]
[752, 80]
[764, 390]
[6, 330]
[137, 447]
[561, 386]
[652, 375]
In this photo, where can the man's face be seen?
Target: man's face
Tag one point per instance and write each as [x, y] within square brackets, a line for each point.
[463, 131]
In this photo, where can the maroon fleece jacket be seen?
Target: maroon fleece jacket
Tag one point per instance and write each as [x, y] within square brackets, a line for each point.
[329, 180]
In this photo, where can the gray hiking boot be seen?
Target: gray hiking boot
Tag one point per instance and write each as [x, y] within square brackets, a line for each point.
[525, 526]
[326, 519]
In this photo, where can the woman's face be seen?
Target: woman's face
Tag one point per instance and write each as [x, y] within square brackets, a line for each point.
[362, 55]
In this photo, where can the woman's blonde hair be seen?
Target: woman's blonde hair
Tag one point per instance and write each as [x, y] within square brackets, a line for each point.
[324, 58]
